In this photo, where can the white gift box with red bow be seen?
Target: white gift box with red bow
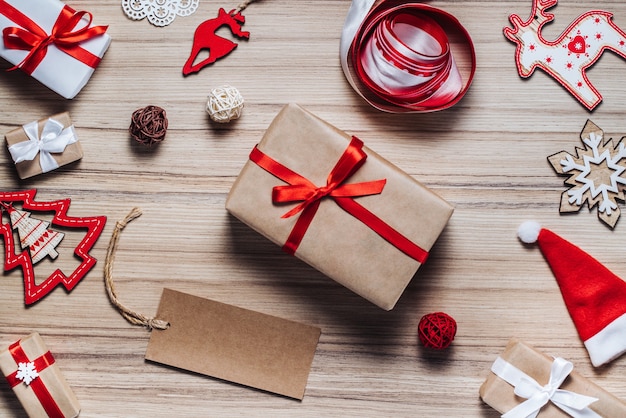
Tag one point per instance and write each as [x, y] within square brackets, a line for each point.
[52, 42]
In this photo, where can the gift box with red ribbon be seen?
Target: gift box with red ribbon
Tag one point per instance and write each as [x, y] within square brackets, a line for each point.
[325, 197]
[36, 379]
[525, 383]
[44, 145]
[52, 42]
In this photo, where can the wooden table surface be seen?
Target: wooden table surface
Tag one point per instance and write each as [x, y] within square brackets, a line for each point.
[486, 156]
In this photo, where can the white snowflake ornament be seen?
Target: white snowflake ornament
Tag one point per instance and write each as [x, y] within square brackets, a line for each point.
[596, 175]
[26, 372]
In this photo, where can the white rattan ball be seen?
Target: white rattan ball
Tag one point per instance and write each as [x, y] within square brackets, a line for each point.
[225, 104]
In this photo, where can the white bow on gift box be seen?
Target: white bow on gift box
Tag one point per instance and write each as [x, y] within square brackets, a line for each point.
[574, 404]
[54, 139]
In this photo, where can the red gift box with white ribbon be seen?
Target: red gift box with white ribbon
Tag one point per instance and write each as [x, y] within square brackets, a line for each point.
[36, 379]
[52, 42]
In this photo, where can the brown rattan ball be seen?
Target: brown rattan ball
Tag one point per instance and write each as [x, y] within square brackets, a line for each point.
[148, 125]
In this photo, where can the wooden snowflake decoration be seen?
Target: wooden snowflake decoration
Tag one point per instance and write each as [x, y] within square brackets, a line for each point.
[596, 174]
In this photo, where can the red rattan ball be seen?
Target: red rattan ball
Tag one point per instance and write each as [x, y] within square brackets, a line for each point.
[148, 125]
[436, 330]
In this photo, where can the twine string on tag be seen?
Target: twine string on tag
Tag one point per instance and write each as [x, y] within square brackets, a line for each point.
[131, 316]
[242, 6]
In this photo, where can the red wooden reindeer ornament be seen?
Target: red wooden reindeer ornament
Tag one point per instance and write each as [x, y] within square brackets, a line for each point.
[568, 57]
[206, 38]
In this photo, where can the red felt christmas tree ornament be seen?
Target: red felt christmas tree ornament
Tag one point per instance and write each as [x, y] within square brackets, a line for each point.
[594, 296]
[38, 240]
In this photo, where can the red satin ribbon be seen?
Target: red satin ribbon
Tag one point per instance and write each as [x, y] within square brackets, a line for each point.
[402, 58]
[37, 385]
[31, 37]
[299, 188]
[434, 70]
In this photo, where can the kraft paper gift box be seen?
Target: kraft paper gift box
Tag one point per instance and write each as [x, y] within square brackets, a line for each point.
[64, 145]
[36, 379]
[337, 242]
[500, 395]
[65, 62]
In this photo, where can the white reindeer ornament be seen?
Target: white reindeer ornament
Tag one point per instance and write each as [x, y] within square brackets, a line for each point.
[568, 57]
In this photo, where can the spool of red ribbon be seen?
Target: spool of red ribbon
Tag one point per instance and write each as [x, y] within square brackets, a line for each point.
[405, 57]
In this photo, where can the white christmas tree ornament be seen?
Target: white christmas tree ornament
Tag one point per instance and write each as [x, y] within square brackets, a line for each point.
[34, 234]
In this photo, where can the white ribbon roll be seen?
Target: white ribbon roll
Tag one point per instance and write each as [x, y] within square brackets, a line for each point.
[54, 139]
[574, 404]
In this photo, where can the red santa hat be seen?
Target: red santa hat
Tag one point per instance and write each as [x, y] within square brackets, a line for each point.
[594, 296]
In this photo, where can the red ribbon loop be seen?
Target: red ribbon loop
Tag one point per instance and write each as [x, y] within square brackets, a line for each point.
[397, 56]
[37, 385]
[64, 35]
[299, 188]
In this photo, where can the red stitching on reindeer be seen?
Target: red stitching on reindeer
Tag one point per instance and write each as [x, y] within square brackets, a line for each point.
[567, 58]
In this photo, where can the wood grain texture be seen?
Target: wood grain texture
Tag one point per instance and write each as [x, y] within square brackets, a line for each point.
[487, 156]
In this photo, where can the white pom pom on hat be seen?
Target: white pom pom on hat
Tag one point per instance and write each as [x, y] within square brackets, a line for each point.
[528, 232]
[594, 296]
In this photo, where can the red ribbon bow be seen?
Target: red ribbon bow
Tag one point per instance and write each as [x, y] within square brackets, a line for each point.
[299, 188]
[64, 35]
[38, 386]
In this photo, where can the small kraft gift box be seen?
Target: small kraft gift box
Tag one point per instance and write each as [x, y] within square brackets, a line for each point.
[36, 379]
[44, 145]
[337, 205]
[524, 382]
[52, 42]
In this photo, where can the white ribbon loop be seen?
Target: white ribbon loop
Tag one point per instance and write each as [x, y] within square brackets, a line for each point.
[537, 396]
[54, 139]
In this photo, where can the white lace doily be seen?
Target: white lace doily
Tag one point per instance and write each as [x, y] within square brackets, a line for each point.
[159, 12]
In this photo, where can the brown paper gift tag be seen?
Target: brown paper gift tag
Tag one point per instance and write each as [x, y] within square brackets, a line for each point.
[34, 347]
[336, 243]
[500, 396]
[25, 169]
[234, 344]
